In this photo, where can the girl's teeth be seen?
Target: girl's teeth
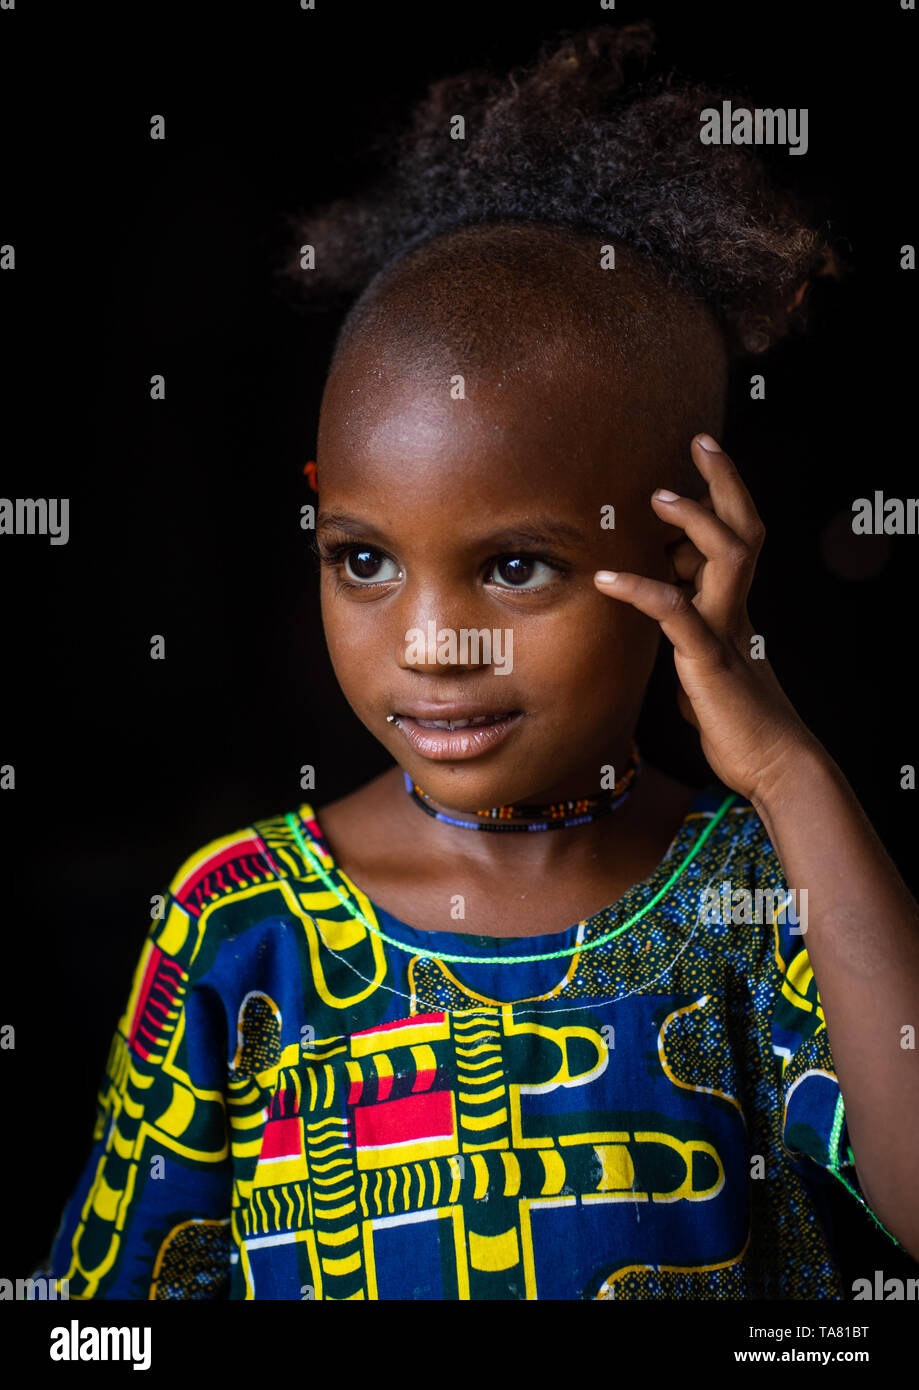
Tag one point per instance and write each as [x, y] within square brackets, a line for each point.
[458, 723]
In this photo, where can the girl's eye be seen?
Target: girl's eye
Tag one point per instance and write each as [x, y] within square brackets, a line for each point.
[518, 572]
[362, 564]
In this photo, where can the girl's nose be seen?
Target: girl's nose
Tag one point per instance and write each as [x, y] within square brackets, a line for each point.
[441, 626]
[433, 647]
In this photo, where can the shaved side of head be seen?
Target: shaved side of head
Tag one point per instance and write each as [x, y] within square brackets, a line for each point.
[524, 304]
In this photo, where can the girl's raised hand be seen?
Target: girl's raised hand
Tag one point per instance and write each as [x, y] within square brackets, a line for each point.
[749, 730]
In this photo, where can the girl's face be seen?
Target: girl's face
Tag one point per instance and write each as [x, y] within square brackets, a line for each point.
[489, 514]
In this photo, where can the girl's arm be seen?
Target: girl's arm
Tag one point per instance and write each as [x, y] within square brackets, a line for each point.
[862, 923]
[862, 936]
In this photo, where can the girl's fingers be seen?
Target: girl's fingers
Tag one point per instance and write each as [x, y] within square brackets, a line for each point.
[727, 490]
[670, 606]
[729, 561]
[687, 561]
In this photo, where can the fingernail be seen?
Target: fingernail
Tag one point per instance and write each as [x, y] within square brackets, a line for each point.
[607, 576]
[664, 494]
[710, 445]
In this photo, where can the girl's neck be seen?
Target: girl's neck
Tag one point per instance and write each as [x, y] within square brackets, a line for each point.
[655, 804]
[514, 885]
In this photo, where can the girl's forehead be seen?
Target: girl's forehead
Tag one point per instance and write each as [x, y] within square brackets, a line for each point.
[543, 400]
[496, 446]
[451, 462]
[473, 469]
[551, 403]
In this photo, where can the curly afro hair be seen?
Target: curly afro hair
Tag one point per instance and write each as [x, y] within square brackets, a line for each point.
[583, 139]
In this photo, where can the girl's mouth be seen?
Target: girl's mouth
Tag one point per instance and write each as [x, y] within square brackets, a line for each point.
[451, 739]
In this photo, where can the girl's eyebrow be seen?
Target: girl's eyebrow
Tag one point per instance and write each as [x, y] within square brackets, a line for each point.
[540, 531]
[344, 521]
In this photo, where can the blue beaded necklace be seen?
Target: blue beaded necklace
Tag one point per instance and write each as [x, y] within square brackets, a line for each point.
[556, 815]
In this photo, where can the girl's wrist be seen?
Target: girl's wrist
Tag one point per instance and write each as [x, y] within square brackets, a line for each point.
[802, 762]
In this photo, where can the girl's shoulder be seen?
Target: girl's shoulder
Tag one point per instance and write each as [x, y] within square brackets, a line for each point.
[230, 866]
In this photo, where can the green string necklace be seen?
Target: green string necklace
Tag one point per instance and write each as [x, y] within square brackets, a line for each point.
[504, 960]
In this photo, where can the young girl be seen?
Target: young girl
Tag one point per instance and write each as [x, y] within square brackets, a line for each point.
[525, 1017]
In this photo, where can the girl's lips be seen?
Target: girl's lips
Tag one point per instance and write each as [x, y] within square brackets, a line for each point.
[445, 745]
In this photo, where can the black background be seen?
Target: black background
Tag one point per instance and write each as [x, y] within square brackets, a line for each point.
[136, 257]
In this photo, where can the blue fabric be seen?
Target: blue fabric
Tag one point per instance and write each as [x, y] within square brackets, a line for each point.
[295, 1107]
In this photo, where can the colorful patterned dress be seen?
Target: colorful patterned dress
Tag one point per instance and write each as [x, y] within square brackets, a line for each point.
[307, 1098]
